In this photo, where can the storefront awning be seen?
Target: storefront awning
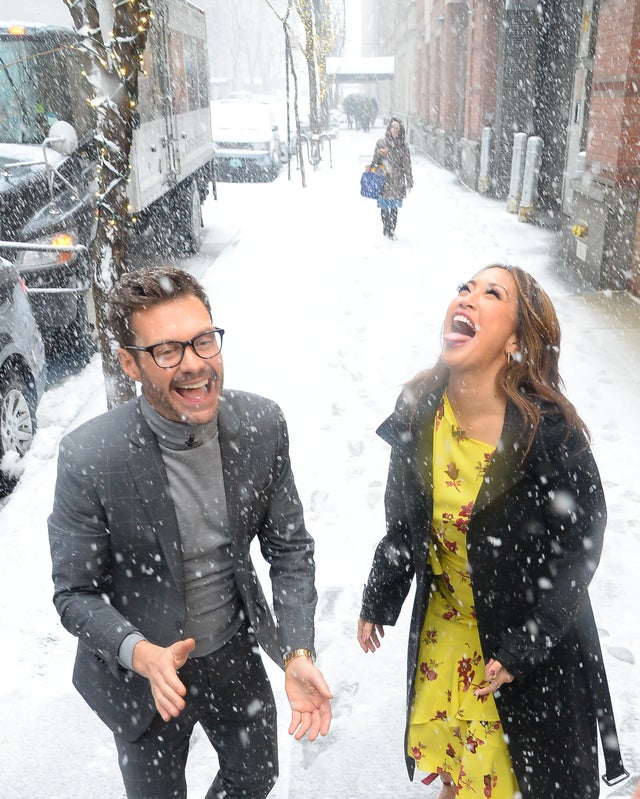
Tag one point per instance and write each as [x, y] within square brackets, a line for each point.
[360, 70]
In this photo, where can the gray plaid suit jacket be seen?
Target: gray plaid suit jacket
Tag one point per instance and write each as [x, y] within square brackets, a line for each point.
[116, 552]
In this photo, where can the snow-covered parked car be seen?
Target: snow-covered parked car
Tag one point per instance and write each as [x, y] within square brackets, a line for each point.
[22, 374]
[246, 140]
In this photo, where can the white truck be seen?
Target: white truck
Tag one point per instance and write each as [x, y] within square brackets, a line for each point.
[47, 186]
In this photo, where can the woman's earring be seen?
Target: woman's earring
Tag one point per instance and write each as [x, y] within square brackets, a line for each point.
[509, 357]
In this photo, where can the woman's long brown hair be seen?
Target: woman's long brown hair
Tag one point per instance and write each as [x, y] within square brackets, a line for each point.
[533, 374]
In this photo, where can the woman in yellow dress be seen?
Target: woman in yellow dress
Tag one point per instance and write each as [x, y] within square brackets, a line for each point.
[494, 503]
[453, 730]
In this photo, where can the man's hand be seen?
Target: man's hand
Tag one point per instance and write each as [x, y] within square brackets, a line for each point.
[368, 633]
[160, 666]
[309, 696]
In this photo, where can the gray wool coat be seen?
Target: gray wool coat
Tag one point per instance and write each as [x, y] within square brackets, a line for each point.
[115, 546]
[531, 559]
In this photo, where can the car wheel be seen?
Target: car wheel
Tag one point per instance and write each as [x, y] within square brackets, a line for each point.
[189, 215]
[17, 423]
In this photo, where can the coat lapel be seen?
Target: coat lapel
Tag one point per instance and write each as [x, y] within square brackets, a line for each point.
[150, 479]
[234, 456]
[506, 468]
[238, 464]
[404, 431]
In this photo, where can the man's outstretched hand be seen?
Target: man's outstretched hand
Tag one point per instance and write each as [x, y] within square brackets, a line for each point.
[160, 666]
[309, 696]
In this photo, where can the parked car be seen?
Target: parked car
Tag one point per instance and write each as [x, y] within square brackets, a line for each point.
[246, 140]
[48, 156]
[22, 373]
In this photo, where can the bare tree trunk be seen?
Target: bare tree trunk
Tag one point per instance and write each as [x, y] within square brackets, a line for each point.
[320, 38]
[290, 65]
[324, 43]
[328, 29]
[114, 78]
[305, 12]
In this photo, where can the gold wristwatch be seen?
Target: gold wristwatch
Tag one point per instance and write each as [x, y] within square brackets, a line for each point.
[297, 653]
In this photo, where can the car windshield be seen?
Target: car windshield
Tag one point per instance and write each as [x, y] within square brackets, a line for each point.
[30, 101]
[244, 116]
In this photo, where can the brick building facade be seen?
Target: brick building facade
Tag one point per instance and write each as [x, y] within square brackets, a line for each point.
[566, 71]
[604, 208]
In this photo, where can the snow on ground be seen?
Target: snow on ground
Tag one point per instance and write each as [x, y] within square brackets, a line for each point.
[328, 318]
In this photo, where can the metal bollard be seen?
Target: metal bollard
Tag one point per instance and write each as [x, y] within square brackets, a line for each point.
[517, 171]
[530, 179]
[484, 178]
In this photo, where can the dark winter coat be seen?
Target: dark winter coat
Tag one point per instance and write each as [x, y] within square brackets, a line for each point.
[534, 541]
[398, 164]
[116, 547]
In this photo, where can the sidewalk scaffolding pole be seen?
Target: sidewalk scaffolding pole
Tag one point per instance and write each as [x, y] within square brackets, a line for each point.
[484, 178]
[517, 171]
[530, 180]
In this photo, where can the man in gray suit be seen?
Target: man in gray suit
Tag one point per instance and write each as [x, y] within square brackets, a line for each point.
[156, 505]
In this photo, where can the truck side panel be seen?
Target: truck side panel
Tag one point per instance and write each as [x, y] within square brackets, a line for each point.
[174, 139]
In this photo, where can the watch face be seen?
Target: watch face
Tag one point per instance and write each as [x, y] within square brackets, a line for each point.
[296, 653]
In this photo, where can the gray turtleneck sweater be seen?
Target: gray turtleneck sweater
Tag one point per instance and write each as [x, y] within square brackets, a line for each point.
[191, 456]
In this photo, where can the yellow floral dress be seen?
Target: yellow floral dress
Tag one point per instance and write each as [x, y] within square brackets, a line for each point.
[450, 729]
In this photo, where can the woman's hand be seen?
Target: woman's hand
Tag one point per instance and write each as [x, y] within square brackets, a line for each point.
[368, 633]
[496, 676]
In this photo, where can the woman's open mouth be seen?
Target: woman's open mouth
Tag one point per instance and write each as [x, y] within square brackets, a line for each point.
[462, 330]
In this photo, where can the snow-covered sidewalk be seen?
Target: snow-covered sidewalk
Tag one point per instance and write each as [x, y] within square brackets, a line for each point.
[328, 318]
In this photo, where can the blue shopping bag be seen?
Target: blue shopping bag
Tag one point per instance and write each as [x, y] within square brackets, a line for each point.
[372, 181]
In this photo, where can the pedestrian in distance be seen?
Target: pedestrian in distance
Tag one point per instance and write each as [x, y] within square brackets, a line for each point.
[392, 152]
[494, 503]
[156, 505]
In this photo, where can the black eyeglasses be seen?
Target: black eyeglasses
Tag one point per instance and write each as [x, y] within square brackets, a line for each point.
[170, 353]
